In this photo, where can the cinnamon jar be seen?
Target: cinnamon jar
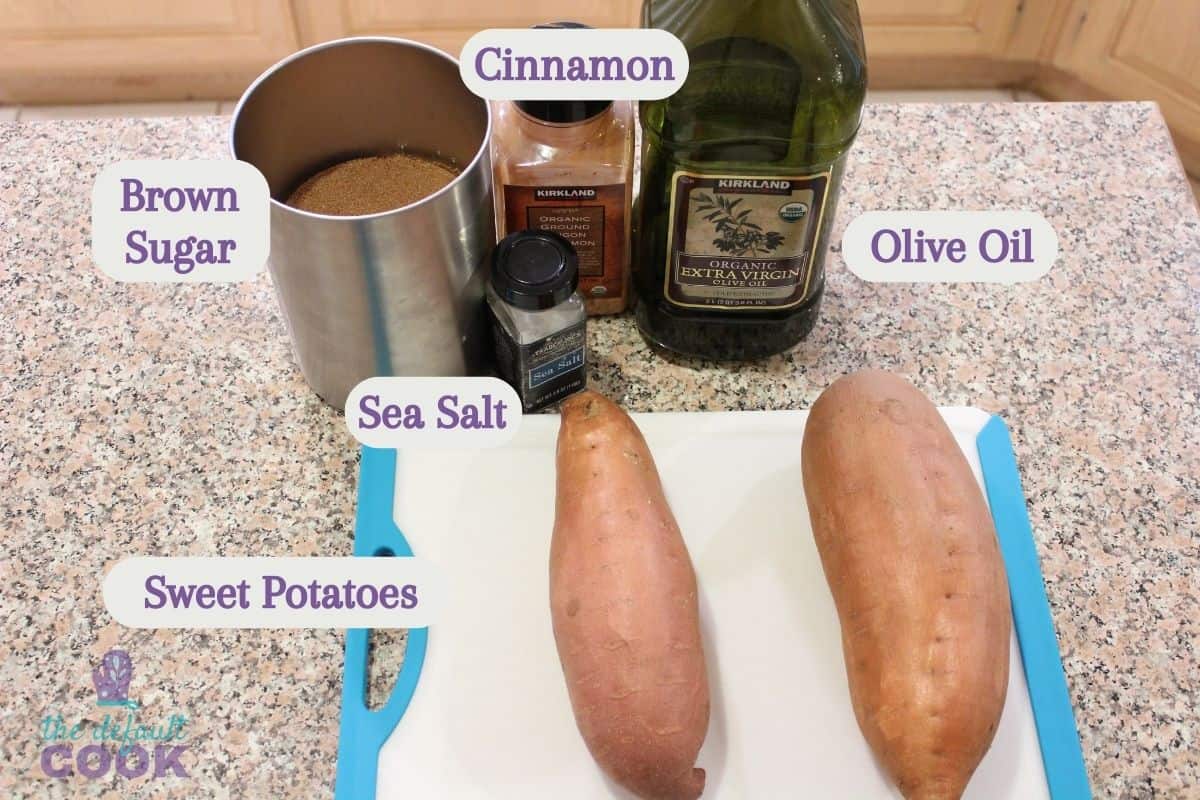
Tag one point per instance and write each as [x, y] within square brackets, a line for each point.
[567, 167]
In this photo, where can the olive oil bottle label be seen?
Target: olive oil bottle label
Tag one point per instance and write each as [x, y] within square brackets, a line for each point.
[742, 242]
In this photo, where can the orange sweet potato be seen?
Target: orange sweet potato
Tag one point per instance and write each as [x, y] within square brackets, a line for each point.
[624, 607]
[911, 558]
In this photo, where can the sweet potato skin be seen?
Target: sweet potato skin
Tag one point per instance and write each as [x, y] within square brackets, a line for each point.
[624, 607]
[910, 554]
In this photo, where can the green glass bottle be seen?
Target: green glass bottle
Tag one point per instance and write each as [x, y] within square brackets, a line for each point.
[741, 170]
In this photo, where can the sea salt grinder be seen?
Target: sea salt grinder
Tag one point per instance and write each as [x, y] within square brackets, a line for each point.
[538, 317]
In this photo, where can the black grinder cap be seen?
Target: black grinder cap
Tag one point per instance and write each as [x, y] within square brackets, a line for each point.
[563, 112]
[535, 270]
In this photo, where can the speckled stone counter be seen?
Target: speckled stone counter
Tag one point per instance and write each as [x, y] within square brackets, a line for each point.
[172, 420]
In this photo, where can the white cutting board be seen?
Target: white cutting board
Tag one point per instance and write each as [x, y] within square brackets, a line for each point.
[490, 717]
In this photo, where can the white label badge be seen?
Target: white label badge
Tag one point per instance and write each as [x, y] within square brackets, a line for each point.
[181, 221]
[574, 64]
[383, 592]
[950, 246]
[455, 413]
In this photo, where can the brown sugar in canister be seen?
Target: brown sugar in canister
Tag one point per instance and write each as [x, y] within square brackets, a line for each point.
[372, 185]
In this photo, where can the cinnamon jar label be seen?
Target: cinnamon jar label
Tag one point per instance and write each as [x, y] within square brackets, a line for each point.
[591, 218]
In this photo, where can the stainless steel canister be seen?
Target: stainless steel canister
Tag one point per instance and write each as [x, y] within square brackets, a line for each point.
[397, 293]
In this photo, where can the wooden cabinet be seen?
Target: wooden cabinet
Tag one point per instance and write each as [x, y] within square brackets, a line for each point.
[117, 50]
[1133, 50]
[112, 50]
[1063, 49]
[448, 24]
[955, 43]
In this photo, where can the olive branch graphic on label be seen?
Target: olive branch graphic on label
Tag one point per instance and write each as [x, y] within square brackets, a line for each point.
[738, 236]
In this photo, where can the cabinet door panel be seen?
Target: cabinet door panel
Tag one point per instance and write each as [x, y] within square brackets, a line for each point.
[938, 27]
[1161, 40]
[449, 23]
[117, 17]
[112, 50]
[459, 13]
[920, 12]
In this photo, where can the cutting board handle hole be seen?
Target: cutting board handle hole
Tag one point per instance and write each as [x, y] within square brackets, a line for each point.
[385, 655]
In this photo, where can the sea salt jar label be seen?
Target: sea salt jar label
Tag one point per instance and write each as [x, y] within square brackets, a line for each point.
[162, 221]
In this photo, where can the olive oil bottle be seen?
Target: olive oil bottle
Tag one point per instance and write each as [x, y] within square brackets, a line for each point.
[741, 170]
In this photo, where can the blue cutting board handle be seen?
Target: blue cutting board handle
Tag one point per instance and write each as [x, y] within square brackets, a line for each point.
[1058, 737]
[364, 731]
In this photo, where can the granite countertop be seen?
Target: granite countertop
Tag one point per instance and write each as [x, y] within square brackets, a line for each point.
[151, 419]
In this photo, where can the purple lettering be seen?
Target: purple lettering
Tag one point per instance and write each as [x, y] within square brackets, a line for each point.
[152, 587]
[657, 63]
[103, 761]
[957, 252]
[124, 767]
[367, 596]
[62, 751]
[607, 68]
[479, 68]
[131, 191]
[367, 406]
[875, 246]
[167, 758]
[273, 586]
[297, 599]
[983, 246]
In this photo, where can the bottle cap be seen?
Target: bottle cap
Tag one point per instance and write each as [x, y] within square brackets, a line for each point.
[563, 112]
[535, 270]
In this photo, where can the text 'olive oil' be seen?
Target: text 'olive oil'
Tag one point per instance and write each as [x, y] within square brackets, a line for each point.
[741, 170]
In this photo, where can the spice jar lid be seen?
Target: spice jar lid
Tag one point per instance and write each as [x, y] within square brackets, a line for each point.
[563, 112]
[535, 270]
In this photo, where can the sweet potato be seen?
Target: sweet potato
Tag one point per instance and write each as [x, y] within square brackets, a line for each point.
[911, 558]
[624, 607]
